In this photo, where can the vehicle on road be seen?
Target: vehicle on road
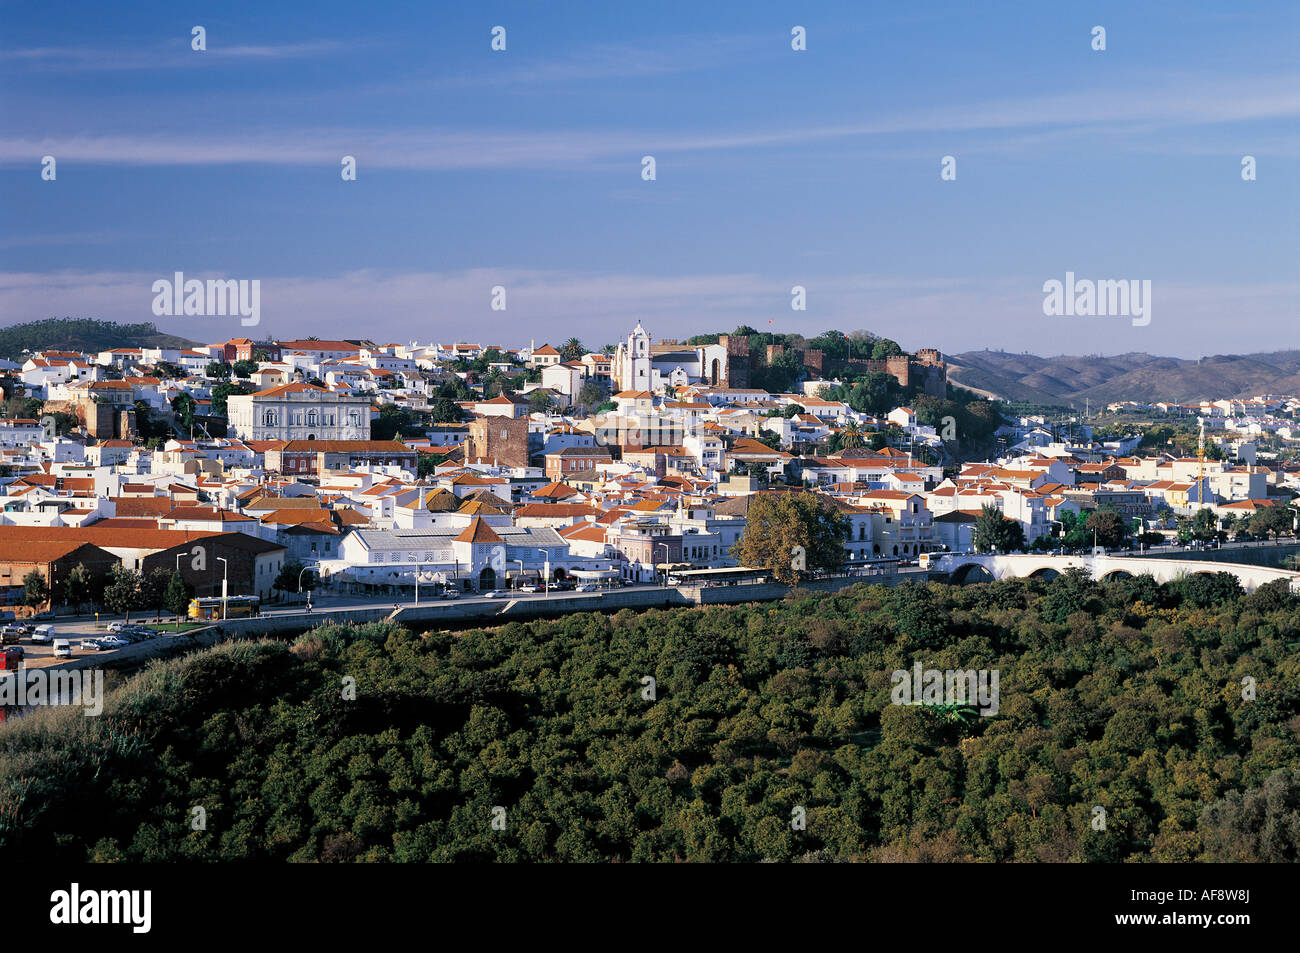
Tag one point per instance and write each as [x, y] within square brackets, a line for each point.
[62, 648]
[451, 593]
[586, 587]
[231, 607]
[43, 634]
[528, 588]
[10, 635]
[497, 594]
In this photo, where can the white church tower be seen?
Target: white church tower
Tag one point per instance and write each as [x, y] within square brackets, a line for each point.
[632, 361]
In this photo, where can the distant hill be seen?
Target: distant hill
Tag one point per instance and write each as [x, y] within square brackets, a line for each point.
[81, 334]
[1136, 376]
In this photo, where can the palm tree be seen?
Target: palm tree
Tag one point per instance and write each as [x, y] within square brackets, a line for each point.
[572, 349]
[851, 436]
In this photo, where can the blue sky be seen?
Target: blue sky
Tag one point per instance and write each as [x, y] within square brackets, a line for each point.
[774, 168]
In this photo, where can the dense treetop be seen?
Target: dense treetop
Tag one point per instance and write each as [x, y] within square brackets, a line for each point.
[1127, 696]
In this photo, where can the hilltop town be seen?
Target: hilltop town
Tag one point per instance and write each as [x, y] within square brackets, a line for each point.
[485, 467]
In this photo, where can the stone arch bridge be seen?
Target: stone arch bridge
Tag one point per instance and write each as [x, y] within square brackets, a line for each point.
[974, 567]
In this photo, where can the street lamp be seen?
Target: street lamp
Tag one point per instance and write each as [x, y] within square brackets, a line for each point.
[546, 572]
[521, 570]
[654, 550]
[225, 566]
[315, 565]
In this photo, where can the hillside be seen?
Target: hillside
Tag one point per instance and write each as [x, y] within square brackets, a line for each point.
[537, 741]
[1133, 376]
[82, 334]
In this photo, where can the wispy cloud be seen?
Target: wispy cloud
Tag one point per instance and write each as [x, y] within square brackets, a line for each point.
[158, 56]
[1039, 120]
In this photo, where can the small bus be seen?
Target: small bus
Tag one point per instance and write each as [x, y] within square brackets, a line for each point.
[231, 607]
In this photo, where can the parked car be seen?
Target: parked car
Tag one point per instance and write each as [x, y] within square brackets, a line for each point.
[43, 634]
[117, 626]
[10, 635]
[564, 585]
[528, 588]
[62, 648]
[113, 641]
[497, 594]
[93, 644]
[451, 593]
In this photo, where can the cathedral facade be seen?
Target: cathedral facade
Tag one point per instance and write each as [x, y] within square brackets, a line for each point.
[640, 365]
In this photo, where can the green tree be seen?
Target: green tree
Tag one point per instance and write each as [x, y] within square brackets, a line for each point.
[153, 589]
[217, 370]
[1272, 521]
[447, 411]
[122, 591]
[78, 588]
[1203, 525]
[178, 595]
[290, 574]
[244, 368]
[572, 350]
[1257, 825]
[223, 390]
[791, 534]
[851, 436]
[36, 591]
[995, 531]
[183, 406]
[590, 396]
[1108, 527]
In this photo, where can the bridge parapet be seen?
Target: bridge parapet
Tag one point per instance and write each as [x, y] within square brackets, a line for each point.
[1017, 566]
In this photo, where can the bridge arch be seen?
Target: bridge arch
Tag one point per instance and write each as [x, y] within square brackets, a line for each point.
[969, 573]
[1046, 573]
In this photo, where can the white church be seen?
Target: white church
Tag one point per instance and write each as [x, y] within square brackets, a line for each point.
[640, 365]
